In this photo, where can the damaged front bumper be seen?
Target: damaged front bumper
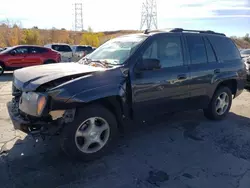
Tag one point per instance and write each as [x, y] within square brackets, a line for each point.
[18, 122]
[23, 124]
[36, 127]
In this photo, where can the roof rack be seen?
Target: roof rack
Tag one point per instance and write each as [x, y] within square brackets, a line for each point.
[196, 31]
[180, 30]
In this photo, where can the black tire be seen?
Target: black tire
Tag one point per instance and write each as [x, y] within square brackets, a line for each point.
[68, 142]
[210, 112]
[49, 62]
[2, 68]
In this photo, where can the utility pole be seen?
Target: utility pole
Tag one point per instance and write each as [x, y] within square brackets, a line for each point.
[78, 18]
[149, 15]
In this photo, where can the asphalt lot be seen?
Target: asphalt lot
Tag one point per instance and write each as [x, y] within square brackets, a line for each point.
[184, 150]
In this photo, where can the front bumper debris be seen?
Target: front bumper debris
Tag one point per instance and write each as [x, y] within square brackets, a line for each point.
[34, 128]
[18, 122]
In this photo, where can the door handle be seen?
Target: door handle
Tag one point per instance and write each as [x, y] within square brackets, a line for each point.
[182, 77]
[217, 71]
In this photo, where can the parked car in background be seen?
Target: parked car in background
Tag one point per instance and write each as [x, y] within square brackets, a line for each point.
[245, 53]
[80, 51]
[129, 78]
[64, 49]
[23, 56]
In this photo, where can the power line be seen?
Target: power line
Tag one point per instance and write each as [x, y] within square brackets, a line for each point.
[149, 15]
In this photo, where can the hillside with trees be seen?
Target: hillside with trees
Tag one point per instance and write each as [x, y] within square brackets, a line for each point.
[13, 34]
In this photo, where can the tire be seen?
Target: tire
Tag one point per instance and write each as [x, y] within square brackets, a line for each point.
[2, 68]
[71, 144]
[220, 113]
[49, 62]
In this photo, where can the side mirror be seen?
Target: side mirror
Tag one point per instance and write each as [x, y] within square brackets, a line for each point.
[12, 52]
[149, 64]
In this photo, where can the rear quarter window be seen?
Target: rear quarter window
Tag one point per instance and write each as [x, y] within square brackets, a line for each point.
[225, 48]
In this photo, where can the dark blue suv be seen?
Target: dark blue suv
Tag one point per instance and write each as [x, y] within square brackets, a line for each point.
[126, 79]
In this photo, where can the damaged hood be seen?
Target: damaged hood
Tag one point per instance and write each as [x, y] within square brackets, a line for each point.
[30, 78]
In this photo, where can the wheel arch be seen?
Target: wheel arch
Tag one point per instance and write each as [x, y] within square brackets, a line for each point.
[1, 62]
[230, 83]
[49, 60]
[112, 103]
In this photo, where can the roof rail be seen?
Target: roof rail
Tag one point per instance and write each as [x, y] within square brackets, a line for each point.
[180, 30]
[147, 31]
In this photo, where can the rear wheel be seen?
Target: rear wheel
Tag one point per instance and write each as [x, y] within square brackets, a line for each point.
[1, 68]
[91, 134]
[220, 104]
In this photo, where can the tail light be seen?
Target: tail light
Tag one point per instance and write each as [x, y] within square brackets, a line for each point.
[59, 58]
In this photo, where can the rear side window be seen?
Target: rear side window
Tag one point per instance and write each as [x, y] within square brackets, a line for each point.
[37, 50]
[210, 52]
[197, 49]
[61, 48]
[225, 48]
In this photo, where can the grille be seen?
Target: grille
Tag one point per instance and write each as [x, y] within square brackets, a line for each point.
[16, 92]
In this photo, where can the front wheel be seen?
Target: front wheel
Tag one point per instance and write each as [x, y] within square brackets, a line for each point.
[91, 134]
[220, 104]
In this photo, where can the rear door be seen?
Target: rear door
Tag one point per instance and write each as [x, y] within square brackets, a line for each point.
[166, 89]
[34, 56]
[203, 67]
[16, 60]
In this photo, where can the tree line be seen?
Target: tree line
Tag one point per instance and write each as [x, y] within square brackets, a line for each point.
[14, 34]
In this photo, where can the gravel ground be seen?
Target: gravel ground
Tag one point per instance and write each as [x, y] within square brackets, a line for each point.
[184, 150]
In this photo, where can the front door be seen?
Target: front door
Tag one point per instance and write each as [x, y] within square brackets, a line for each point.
[16, 59]
[162, 90]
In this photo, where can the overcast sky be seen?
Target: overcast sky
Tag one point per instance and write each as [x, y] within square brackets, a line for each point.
[229, 16]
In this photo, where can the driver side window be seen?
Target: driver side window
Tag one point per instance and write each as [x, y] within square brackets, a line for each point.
[21, 50]
[167, 49]
[151, 52]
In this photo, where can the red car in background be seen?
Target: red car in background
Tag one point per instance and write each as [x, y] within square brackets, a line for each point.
[24, 56]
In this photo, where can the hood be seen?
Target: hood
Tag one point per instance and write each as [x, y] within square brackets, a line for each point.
[30, 78]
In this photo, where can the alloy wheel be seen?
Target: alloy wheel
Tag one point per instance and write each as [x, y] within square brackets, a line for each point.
[222, 103]
[92, 135]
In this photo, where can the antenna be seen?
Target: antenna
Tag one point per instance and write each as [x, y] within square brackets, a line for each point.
[149, 14]
[78, 18]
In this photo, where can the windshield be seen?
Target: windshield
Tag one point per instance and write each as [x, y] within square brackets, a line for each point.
[6, 49]
[245, 52]
[117, 50]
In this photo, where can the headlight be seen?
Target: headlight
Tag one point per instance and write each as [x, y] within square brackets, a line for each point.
[41, 104]
[32, 103]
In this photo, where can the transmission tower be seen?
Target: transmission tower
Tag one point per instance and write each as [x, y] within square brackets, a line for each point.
[149, 15]
[78, 18]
